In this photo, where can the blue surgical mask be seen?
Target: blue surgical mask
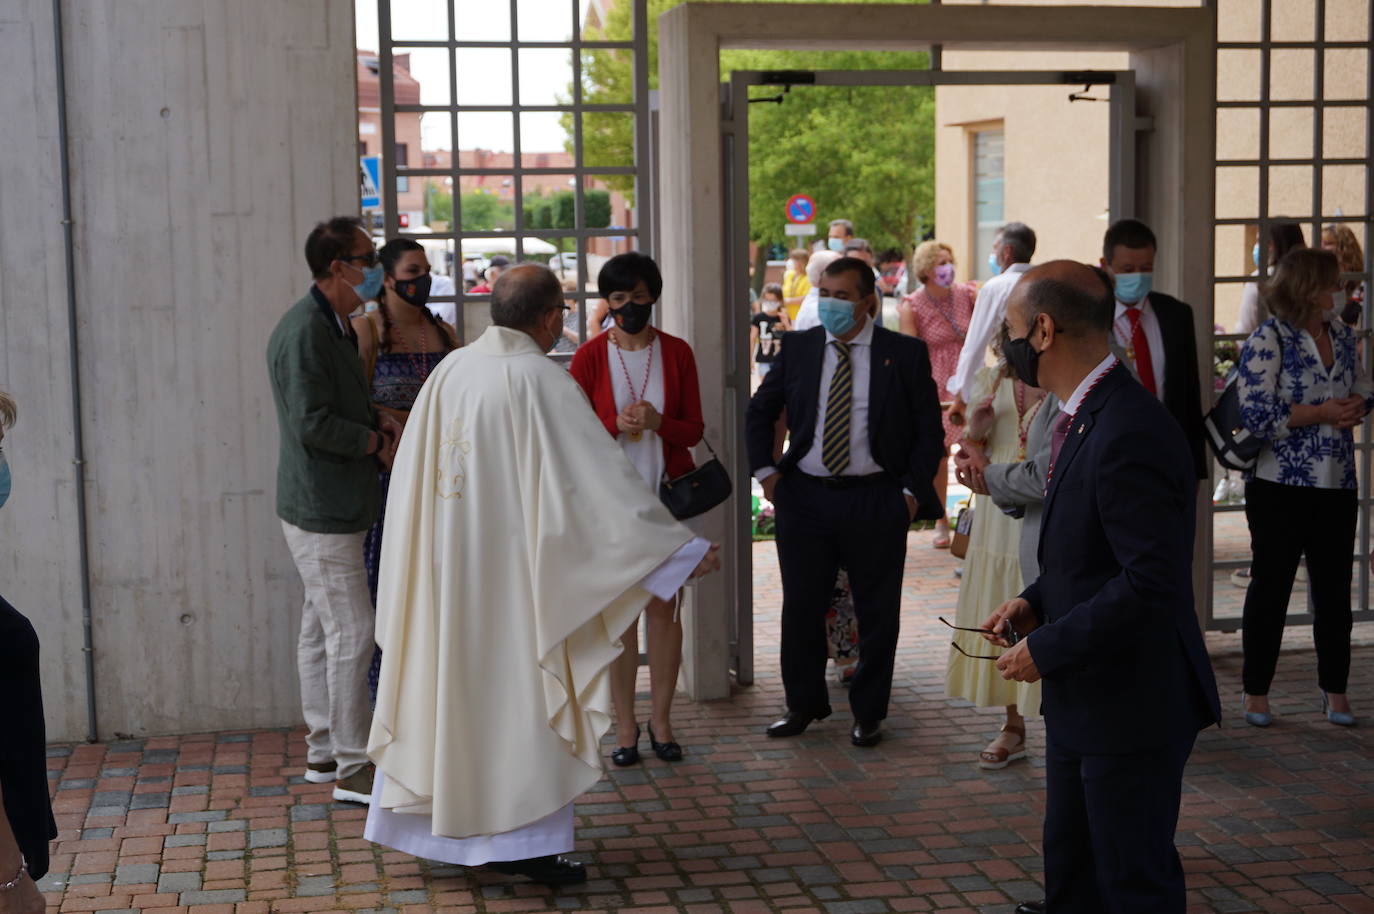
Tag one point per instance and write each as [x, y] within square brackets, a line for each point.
[1133, 287]
[1254, 254]
[4, 479]
[836, 314]
[835, 244]
[993, 266]
[372, 283]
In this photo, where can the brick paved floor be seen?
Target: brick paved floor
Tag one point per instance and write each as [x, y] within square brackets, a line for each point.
[1277, 820]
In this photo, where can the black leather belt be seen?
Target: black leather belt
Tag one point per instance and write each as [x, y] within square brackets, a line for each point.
[851, 482]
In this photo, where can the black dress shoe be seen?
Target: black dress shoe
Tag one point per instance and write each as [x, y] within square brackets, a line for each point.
[666, 752]
[625, 756]
[794, 722]
[1031, 907]
[866, 733]
[550, 870]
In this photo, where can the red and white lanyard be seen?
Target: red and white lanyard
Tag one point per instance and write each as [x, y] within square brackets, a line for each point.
[1073, 417]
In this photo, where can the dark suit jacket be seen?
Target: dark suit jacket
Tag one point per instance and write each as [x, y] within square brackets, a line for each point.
[1119, 646]
[905, 433]
[1182, 381]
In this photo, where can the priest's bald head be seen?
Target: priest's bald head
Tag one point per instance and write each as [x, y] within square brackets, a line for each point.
[529, 297]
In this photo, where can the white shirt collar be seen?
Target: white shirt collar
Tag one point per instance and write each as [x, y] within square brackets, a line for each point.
[1080, 393]
[1017, 268]
[1143, 305]
[865, 337]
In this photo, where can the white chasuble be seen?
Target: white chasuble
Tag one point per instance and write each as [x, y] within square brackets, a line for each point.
[518, 540]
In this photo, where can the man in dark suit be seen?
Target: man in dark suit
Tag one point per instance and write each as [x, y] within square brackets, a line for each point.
[865, 433]
[1109, 623]
[1155, 332]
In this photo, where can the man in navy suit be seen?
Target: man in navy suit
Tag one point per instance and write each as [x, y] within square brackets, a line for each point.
[1109, 623]
[864, 421]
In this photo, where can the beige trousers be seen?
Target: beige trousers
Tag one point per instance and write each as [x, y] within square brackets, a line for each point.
[335, 646]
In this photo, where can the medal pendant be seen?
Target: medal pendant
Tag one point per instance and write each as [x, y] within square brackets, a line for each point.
[634, 436]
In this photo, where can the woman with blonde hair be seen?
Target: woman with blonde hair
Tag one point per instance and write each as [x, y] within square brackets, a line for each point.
[939, 312]
[1302, 390]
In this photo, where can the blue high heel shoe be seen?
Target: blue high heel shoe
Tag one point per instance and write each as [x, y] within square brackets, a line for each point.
[1339, 718]
[1255, 718]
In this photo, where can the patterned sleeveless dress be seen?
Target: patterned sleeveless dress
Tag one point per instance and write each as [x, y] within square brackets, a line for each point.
[396, 382]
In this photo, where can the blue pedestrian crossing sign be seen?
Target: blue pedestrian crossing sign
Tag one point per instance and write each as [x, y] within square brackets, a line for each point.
[800, 209]
[370, 175]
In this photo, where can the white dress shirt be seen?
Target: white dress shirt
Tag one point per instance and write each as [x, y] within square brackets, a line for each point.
[1150, 321]
[989, 310]
[1071, 406]
[861, 462]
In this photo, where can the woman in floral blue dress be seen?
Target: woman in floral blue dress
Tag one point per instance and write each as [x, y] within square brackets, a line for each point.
[400, 344]
[1303, 391]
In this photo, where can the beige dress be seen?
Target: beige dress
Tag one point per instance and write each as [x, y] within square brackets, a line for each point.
[992, 567]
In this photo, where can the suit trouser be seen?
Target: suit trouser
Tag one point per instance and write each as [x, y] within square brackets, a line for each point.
[1286, 522]
[820, 529]
[335, 646]
[1109, 830]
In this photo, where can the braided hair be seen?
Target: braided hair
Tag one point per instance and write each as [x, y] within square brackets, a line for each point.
[389, 255]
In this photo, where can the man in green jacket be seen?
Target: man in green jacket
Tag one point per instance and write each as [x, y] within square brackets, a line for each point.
[327, 497]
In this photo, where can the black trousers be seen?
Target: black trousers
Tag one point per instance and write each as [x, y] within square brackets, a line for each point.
[1109, 830]
[1287, 522]
[819, 529]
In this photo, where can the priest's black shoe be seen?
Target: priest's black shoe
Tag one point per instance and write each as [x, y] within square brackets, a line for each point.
[795, 722]
[866, 733]
[1031, 907]
[550, 870]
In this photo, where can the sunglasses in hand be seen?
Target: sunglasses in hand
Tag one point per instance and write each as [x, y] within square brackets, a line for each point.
[1011, 637]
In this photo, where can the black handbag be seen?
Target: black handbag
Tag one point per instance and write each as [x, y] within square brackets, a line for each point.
[697, 491]
[1235, 446]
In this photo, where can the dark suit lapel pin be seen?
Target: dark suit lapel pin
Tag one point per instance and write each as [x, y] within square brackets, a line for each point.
[1080, 429]
[886, 362]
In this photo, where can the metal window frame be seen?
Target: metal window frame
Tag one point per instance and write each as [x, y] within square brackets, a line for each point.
[643, 230]
[1312, 222]
[734, 127]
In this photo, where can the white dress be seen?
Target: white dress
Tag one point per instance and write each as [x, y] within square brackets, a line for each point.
[992, 568]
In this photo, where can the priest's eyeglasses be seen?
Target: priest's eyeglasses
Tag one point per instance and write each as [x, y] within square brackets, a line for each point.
[1011, 637]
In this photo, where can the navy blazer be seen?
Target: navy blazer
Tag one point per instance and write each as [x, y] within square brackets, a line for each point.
[1119, 647]
[905, 432]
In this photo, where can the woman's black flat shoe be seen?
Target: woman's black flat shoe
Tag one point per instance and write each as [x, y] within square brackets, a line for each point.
[668, 752]
[625, 756]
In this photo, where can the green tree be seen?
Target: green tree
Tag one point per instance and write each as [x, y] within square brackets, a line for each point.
[863, 153]
[486, 212]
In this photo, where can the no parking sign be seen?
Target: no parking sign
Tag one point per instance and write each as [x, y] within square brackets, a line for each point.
[800, 209]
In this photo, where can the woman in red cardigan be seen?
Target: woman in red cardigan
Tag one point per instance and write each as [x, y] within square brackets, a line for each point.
[643, 385]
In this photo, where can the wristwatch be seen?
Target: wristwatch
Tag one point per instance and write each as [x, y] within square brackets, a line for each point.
[18, 877]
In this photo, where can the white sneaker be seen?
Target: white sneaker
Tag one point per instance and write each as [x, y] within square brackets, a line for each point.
[1241, 578]
[321, 772]
[357, 787]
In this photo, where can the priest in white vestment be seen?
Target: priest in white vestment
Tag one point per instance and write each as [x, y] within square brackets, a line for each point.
[520, 544]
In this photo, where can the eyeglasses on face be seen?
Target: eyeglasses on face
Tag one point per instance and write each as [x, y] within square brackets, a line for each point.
[1011, 637]
[368, 260]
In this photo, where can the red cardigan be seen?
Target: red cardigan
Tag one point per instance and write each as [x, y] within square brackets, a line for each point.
[682, 424]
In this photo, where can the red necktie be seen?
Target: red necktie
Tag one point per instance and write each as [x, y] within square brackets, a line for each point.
[1140, 350]
[1059, 435]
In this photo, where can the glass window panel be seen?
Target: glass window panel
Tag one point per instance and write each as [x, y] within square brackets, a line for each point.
[603, 77]
[1238, 133]
[1290, 133]
[1293, 20]
[484, 76]
[608, 139]
[480, 20]
[1290, 189]
[1238, 20]
[1238, 76]
[416, 131]
[489, 132]
[546, 139]
[1237, 192]
[545, 76]
[1343, 190]
[1344, 73]
[1226, 299]
[1344, 133]
[437, 197]
[1347, 20]
[420, 76]
[487, 204]
[549, 202]
[1232, 253]
[1291, 74]
[545, 20]
[989, 193]
[419, 20]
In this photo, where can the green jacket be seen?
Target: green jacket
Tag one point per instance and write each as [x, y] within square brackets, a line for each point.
[326, 483]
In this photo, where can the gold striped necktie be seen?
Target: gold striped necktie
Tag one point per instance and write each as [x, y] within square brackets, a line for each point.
[835, 441]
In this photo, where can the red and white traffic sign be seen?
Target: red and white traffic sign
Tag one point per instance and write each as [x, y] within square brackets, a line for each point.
[800, 209]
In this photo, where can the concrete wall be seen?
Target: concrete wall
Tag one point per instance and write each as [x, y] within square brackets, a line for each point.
[206, 139]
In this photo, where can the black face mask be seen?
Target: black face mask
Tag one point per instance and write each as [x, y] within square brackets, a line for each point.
[415, 291]
[1024, 360]
[633, 317]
